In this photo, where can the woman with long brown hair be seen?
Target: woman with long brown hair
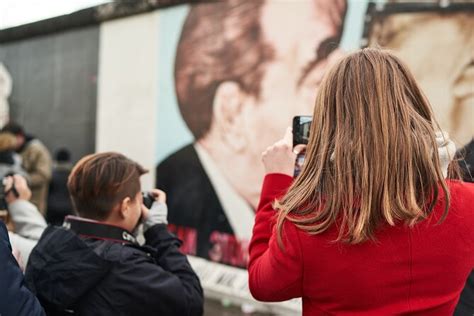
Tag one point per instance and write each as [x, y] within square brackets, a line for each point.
[370, 226]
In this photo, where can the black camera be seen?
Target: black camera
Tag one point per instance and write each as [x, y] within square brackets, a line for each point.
[148, 199]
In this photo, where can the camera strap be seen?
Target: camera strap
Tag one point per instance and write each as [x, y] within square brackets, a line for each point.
[87, 228]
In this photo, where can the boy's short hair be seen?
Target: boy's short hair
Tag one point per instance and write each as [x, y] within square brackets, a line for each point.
[99, 182]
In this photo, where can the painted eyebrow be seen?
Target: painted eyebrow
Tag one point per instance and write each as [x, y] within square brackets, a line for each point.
[322, 52]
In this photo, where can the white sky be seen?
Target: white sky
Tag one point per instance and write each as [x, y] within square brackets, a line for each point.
[18, 12]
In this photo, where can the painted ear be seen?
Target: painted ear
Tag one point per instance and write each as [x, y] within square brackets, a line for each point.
[227, 114]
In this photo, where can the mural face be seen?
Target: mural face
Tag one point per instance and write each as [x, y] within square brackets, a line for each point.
[439, 49]
[241, 74]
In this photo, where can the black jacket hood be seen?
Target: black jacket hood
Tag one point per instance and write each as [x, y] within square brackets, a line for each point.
[62, 268]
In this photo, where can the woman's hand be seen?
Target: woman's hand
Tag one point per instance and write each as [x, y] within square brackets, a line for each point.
[281, 156]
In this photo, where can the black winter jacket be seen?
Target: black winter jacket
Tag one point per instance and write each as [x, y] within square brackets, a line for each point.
[15, 298]
[76, 276]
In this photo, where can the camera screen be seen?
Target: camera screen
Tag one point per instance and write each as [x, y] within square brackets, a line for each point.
[301, 127]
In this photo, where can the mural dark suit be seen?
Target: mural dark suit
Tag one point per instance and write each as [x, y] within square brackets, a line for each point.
[192, 201]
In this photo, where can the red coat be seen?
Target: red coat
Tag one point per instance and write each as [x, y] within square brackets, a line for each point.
[406, 271]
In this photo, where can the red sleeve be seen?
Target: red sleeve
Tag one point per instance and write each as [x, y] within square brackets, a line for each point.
[275, 274]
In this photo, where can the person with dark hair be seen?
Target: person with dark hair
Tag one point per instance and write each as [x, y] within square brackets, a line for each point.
[375, 224]
[36, 161]
[243, 69]
[59, 202]
[94, 264]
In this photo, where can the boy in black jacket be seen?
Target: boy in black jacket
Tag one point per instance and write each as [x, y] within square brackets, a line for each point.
[94, 266]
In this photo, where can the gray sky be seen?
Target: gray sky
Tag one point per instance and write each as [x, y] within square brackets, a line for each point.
[18, 12]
